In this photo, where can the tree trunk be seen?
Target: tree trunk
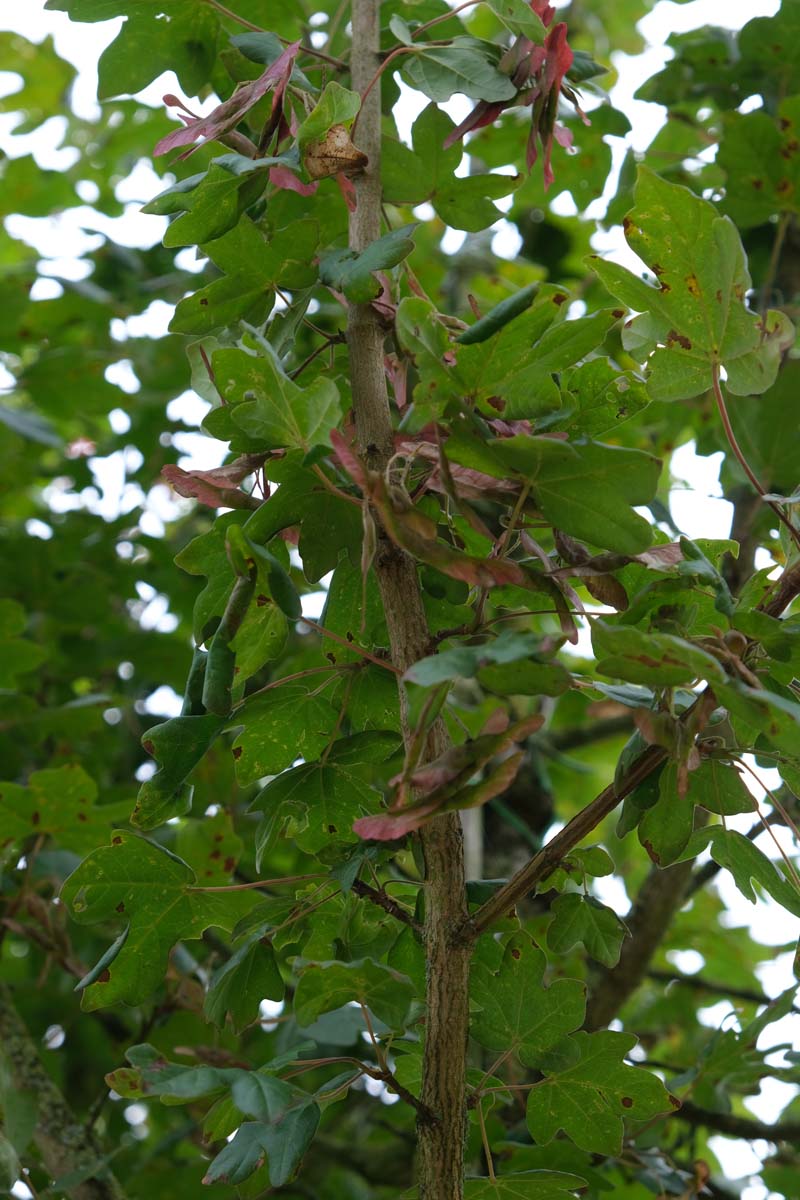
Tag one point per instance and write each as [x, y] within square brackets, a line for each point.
[441, 1141]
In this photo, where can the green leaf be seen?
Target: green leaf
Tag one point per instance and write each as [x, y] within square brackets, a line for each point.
[214, 204]
[584, 488]
[516, 1012]
[324, 986]
[352, 273]
[518, 16]
[336, 106]
[18, 655]
[526, 679]
[178, 746]
[720, 788]
[252, 268]
[272, 409]
[666, 827]
[10, 1168]
[598, 398]
[466, 203]
[591, 1099]
[184, 41]
[583, 919]
[157, 894]
[746, 863]
[283, 1142]
[58, 802]
[760, 156]
[210, 847]
[466, 65]
[696, 319]
[318, 802]
[624, 652]
[283, 725]
[465, 661]
[240, 984]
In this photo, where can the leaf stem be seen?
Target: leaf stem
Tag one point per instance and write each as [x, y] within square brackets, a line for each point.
[444, 17]
[331, 487]
[376, 1046]
[398, 50]
[743, 463]
[373, 658]
[487, 1150]
[276, 683]
[259, 883]
[786, 818]
[772, 266]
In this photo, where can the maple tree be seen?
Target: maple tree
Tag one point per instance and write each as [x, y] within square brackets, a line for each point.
[349, 910]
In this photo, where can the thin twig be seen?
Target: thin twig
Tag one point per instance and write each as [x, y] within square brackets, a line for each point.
[558, 847]
[276, 683]
[232, 16]
[379, 897]
[699, 983]
[373, 658]
[742, 1127]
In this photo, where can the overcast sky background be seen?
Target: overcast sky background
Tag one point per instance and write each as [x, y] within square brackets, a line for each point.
[697, 507]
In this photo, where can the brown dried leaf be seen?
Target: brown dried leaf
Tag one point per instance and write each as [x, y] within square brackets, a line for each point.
[335, 154]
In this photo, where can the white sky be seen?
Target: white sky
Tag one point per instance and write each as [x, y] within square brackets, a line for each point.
[698, 509]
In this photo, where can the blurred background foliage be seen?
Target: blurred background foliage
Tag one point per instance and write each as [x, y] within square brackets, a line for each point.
[96, 618]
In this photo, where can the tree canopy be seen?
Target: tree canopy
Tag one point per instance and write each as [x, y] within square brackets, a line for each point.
[475, 739]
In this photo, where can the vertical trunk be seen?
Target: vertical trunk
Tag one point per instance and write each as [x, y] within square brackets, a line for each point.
[441, 1142]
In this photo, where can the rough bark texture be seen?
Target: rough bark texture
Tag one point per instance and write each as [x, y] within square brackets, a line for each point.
[441, 1142]
[64, 1144]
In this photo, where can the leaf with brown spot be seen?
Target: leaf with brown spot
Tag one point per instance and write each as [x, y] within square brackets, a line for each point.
[686, 331]
[162, 906]
[58, 802]
[515, 1011]
[585, 1100]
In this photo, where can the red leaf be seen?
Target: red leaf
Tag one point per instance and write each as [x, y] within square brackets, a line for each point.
[226, 116]
[286, 180]
[349, 460]
[216, 488]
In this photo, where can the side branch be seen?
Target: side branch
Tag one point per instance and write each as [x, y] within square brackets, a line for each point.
[548, 858]
[742, 1127]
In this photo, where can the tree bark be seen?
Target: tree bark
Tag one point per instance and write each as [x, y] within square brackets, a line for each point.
[441, 1141]
[64, 1144]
